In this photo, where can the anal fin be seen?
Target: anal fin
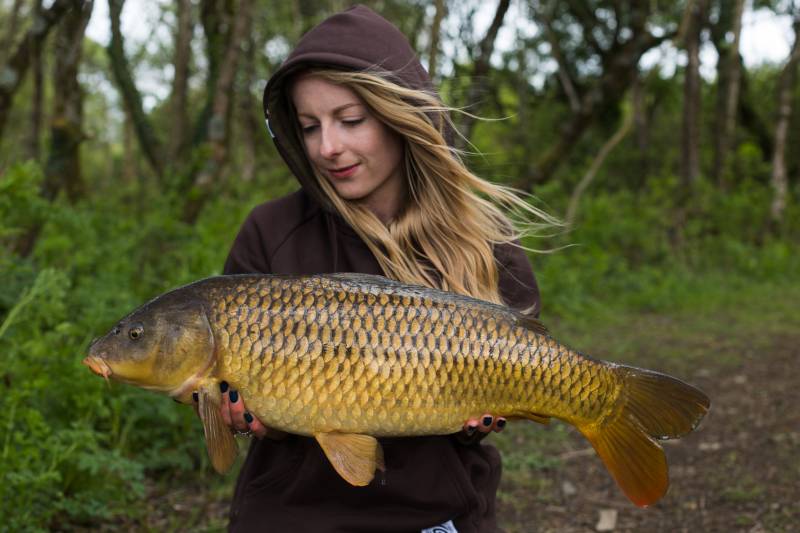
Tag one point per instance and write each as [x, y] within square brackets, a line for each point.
[354, 457]
[220, 442]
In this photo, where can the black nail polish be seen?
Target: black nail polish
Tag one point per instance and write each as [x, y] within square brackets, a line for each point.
[501, 423]
[234, 396]
[248, 418]
[487, 421]
[223, 386]
[195, 397]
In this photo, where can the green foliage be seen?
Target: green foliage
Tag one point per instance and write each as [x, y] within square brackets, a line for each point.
[73, 448]
[647, 251]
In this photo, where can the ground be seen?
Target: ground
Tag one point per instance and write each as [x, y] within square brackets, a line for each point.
[738, 472]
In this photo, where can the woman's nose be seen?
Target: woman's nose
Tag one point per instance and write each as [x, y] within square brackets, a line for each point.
[331, 145]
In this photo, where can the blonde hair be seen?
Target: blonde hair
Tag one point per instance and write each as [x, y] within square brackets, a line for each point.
[445, 235]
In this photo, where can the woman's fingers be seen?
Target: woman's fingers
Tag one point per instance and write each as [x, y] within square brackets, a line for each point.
[235, 413]
[255, 425]
[237, 410]
[484, 424]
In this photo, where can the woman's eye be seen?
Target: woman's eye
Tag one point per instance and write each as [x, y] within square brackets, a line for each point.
[136, 332]
[353, 121]
[308, 129]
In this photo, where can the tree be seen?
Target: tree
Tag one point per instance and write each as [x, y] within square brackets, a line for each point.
[729, 80]
[12, 73]
[690, 135]
[37, 72]
[63, 169]
[436, 25]
[66, 126]
[217, 133]
[131, 98]
[180, 83]
[786, 85]
[606, 55]
[480, 72]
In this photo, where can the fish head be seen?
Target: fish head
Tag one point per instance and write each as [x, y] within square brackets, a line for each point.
[160, 346]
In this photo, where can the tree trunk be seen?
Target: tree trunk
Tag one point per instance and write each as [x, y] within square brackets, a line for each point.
[786, 84]
[729, 82]
[13, 26]
[132, 100]
[479, 74]
[218, 125]
[250, 110]
[180, 83]
[63, 166]
[690, 139]
[37, 71]
[63, 169]
[12, 73]
[436, 26]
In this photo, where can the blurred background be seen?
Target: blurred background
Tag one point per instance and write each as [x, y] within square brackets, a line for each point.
[666, 133]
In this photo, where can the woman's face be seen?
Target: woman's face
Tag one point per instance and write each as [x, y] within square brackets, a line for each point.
[353, 150]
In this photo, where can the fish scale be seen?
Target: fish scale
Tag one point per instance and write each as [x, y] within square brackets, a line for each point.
[407, 359]
[346, 358]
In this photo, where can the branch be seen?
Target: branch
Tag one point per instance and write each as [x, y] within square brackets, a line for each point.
[563, 68]
[130, 94]
[218, 127]
[481, 69]
[598, 161]
[588, 22]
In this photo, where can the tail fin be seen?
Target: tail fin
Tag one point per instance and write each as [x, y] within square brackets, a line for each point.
[651, 407]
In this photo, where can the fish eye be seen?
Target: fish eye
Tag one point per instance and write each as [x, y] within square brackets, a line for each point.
[136, 331]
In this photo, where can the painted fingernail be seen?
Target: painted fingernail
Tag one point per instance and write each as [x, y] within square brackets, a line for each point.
[223, 386]
[195, 397]
[501, 423]
[234, 396]
[487, 421]
[248, 417]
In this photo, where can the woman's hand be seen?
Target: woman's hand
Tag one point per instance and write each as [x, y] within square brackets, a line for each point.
[476, 429]
[235, 415]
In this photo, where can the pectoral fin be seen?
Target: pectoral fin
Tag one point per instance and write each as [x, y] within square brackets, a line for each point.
[354, 457]
[221, 444]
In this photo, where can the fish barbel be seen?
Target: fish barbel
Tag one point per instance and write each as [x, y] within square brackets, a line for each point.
[346, 358]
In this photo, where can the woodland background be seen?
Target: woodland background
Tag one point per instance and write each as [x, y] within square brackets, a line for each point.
[126, 170]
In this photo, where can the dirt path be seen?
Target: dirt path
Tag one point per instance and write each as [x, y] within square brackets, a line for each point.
[739, 472]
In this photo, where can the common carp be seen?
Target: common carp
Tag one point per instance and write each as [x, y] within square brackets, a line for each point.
[345, 358]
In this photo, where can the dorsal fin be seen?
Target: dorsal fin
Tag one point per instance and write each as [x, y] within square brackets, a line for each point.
[532, 323]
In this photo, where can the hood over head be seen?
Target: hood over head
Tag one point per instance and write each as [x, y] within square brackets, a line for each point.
[355, 39]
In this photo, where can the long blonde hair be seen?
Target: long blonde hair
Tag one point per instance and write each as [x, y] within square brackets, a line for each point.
[445, 235]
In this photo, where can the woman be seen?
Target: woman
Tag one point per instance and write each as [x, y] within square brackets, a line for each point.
[355, 116]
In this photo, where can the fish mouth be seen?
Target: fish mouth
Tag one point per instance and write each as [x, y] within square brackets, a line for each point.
[98, 366]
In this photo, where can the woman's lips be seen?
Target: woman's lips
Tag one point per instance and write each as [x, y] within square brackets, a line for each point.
[344, 172]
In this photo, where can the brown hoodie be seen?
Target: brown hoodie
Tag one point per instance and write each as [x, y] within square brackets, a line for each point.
[288, 485]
